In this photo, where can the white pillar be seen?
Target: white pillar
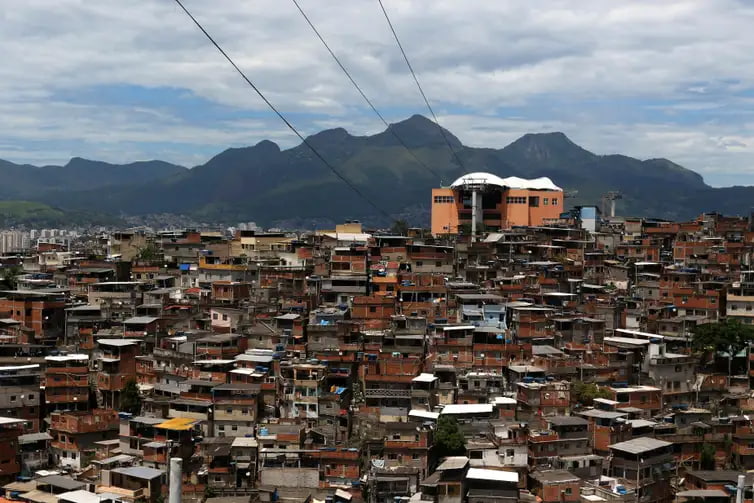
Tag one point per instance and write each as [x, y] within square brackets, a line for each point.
[474, 213]
[176, 471]
[740, 489]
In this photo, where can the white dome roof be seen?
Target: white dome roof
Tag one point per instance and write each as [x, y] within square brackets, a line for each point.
[513, 182]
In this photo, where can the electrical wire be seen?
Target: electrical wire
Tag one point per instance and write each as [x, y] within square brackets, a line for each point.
[282, 117]
[361, 92]
[421, 91]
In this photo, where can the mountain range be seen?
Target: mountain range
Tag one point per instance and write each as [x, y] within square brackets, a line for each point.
[269, 185]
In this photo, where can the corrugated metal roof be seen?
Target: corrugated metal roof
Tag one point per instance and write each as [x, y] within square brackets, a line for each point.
[639, 445]
[139, 472]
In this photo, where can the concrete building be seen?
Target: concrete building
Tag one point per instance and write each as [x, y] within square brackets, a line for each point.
[486, 201]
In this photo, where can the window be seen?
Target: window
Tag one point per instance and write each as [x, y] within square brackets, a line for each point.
[396, 436]
[214, 316]
[13, 398]
[515, 200]
[438, 264]
[677, 368]
[510, 453]
[443, 199]
[534, 201]
[31, 396]
[419, 264]
[244, 411]
[415, 456]
[235, 427]
[225, 317]
[545, 201]
[568, 490]
[392, 456]
[554, 201]
[372, 309]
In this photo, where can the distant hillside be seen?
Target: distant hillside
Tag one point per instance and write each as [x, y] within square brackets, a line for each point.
[266, 184]
[21, 181]
[33, 214]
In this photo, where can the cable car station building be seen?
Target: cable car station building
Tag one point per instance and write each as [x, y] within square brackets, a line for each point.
[486, 202]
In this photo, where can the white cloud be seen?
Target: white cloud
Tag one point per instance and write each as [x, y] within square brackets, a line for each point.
[596, 70]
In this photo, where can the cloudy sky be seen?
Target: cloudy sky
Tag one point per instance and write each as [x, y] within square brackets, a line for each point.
[122, 81]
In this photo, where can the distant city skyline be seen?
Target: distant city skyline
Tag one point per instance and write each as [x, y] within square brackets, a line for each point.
[648, 79]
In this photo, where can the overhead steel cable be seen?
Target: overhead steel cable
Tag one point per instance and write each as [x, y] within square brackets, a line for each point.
[363, 95]
[282, 117]
[421, 91]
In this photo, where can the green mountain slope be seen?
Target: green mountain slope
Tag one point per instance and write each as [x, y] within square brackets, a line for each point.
[267, 184]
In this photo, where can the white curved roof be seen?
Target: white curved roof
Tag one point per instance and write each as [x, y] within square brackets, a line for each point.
[512, 182]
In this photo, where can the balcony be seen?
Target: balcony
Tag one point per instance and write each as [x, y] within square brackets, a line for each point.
[397, 378]
[70, 397]
[387, 393]
[401, 444]
[110, 382]
[76, 381]
[36, 459]
[81, 370]
[160, 458]
[96, 420]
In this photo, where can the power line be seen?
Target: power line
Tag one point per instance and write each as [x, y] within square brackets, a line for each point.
[361, 92]
[281, 116]
[413, 74]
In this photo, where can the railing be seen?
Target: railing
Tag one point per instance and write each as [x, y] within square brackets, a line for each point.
[156, 458]
[387, 393]
[110, 382]
[68, 397]
[67, 381]
[84, 424]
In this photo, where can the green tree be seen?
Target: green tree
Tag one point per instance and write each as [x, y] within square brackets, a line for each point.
[8, 275]
[449, 439]
[707, 457]
[399, 228]
[585, 393]
[729, 337]
[130, 400]
[148, 253]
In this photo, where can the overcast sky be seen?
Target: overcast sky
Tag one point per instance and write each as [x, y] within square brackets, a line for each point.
[123, 81]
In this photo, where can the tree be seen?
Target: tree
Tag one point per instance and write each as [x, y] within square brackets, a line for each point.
[449, 439]
[729, 336]
[148, 253]
[130, 400]
[8, 276]
[399, 228]
[585, 393]
[707, 457]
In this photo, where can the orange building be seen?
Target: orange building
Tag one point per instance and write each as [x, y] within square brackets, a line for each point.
[487, 202]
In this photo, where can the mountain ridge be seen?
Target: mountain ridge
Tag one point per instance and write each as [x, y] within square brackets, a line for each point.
[268, 184]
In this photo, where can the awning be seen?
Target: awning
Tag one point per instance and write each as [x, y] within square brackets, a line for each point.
[177, 424]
